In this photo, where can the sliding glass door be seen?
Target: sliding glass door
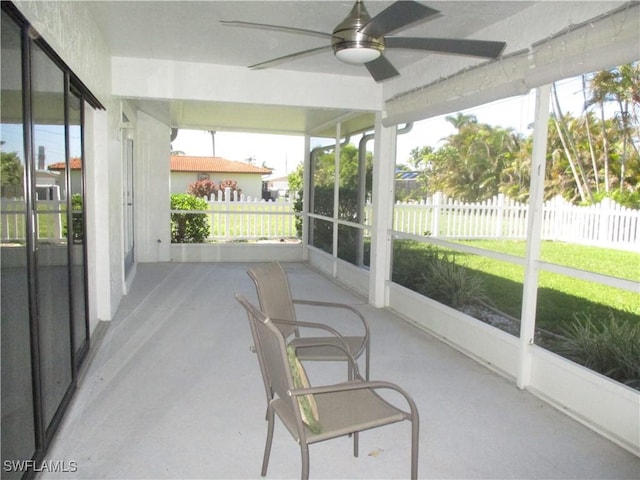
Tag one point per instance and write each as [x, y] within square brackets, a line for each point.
[18, 423]
[51, 252]
[45, 333]
[77, 250]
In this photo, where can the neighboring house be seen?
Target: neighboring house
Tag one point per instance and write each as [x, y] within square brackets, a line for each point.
[405, 183]
[187, 169]
[45, 178]
[278, 186]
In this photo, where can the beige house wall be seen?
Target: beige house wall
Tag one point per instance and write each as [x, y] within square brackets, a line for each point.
[249, 183]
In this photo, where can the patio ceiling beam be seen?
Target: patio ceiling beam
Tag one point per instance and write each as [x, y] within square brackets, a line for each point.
[164, 79]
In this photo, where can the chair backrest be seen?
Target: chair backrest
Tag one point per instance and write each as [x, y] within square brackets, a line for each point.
[274, 295]
[272, 353]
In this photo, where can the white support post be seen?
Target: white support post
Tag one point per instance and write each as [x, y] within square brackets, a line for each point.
[336, 197]
[306, 195]
[534, 236]
[384, 164]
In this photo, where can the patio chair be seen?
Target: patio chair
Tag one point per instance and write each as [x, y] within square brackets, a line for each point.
[276, 301]
[316, 414]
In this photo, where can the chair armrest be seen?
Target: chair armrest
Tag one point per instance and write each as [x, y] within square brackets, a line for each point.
[316, 303]
[344, 345]
[345, 350]
[299, 323]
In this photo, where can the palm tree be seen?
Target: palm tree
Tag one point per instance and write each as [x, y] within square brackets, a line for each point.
[570, 150]
[620, 85]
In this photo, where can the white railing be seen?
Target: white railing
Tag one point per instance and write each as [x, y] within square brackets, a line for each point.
[604, 224]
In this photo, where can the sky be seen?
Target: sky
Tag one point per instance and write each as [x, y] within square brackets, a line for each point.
[283, 153]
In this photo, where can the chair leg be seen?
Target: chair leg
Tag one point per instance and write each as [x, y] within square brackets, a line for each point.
[366, 364]
[356, 443]
[304, 450]
[267, 448]
[415, 435]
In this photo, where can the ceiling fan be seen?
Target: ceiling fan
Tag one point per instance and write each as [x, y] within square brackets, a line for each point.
[360, 39]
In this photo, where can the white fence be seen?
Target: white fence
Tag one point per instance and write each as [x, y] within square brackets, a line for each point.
[251, 219]
[605, 224]
[50, 219]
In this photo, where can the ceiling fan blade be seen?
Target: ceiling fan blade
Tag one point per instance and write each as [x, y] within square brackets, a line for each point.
[381, 69]
[277, 28]
[398, 15]
[474, 48]
[291, 56]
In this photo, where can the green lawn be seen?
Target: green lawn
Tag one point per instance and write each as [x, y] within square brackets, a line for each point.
[559, 297]
[615, 263]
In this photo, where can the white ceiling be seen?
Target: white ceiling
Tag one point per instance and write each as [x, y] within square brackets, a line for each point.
[191, 31]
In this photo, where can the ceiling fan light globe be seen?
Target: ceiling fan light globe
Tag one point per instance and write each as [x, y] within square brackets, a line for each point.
[357, 55]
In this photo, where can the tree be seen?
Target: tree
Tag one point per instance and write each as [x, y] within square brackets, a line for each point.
[421, 161]
[587, 154]
[571, 152]
[469, 165]
[620, 85]
[323, 175]
[11, 173]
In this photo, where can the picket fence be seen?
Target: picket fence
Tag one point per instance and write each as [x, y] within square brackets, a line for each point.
[605, 224]
[242, 218]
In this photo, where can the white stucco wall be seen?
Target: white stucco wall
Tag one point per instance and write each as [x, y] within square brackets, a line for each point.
[152, 189]
[70, 30]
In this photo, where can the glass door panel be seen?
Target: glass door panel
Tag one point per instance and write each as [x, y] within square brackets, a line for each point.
[76, 176]
[52, 255]
[18, 425]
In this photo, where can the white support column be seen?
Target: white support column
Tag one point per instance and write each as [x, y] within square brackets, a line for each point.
[336, 196]
[306, 194]
[384, 164]
[534, 235]
[98, 149]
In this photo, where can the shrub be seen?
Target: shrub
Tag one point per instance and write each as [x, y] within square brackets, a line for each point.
[188, 227]
[449, 283]
[410, 261]
[435, 274]
[77, 217]
[232, 185]
[202, 189]
[610, 347]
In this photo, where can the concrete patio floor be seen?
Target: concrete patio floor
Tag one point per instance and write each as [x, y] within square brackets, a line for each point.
[173, 392]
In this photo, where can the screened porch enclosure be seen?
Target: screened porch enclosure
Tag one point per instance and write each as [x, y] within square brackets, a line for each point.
[165, 390]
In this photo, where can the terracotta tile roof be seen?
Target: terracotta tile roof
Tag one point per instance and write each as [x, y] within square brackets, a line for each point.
[185, 163]
[76, 164]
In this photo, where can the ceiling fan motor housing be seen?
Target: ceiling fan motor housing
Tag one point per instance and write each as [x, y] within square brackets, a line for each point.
[347, 37]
